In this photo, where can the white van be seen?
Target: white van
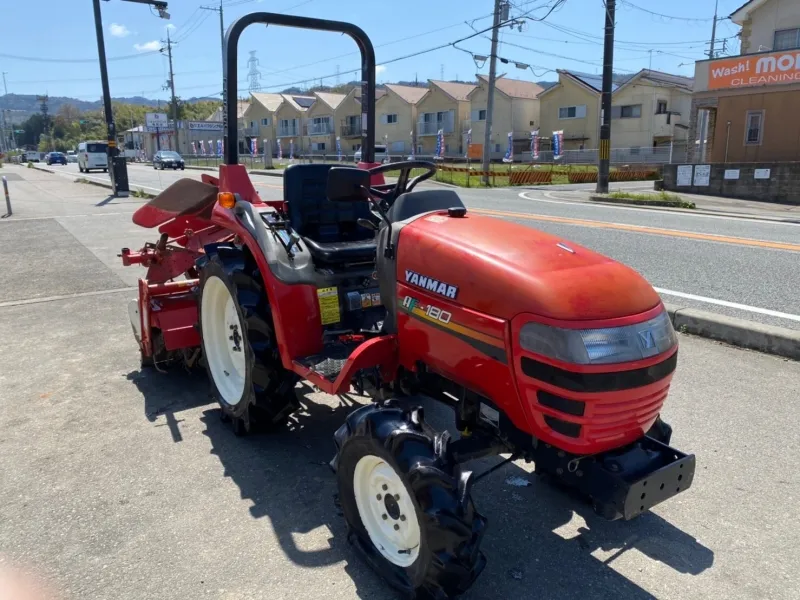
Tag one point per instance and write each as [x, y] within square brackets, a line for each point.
[93, 155]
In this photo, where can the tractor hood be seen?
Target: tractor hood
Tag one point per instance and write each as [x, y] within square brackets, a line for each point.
[504, 269]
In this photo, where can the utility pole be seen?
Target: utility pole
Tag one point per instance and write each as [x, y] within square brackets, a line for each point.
[711, 50]
[171, 86]
[487, 134]
[604, 165]
[4, 146]
[221, 30]
[117, 167]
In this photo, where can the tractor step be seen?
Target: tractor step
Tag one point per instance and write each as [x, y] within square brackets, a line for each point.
[330, 362]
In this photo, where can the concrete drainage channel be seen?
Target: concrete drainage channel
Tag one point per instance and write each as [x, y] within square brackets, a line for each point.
[779, 341]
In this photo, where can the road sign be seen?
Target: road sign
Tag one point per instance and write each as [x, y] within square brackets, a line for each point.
[155, 120]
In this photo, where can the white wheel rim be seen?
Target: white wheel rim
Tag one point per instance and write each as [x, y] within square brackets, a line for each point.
[225, 356]
[386, 510]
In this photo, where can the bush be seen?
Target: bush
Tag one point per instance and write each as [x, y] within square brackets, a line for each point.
[659, 199]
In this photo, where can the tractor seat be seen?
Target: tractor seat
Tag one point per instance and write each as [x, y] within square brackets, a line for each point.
[330, 229]
[340, 252]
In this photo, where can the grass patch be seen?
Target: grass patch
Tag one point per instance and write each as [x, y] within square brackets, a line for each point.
[657, 199]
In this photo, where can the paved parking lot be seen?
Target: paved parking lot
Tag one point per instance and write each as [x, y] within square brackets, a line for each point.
[120, 483]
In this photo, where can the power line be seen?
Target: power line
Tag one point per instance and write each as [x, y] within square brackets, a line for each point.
[77, 60]
[663, 16]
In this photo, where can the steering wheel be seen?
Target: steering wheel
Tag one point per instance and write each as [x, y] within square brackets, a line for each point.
[389, 192]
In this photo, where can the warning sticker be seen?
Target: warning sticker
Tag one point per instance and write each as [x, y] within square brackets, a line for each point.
[328, 305]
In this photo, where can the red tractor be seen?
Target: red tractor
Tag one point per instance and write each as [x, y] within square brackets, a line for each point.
[544, 349]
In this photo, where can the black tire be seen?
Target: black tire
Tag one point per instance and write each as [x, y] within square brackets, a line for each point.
[268, 397]
[105, 170]
[451, 529]
[660, 431]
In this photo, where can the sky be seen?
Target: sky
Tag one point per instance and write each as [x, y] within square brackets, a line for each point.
[50, 46]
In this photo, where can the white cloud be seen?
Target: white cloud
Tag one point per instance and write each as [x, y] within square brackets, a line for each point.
[118, 30]
[148, 46]
[380, 69]
[171, 27]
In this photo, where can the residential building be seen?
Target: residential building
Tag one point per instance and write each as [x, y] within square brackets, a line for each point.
[290, 122]
[396, 117]
[516, 111]
[744, 108]
[259, 119]
[445, 106]
[572, 106]
[331, 116]
[651, 109]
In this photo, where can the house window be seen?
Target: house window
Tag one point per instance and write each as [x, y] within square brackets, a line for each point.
[482, 115]
[265, 121]
[786, 39]
[391, 119]
[572, 112]
[754, 127]
[319, 146]
[252, 124]
[661, 107]
[629, 111]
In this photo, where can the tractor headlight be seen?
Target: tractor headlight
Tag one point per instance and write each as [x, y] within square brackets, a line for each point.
[600, 346]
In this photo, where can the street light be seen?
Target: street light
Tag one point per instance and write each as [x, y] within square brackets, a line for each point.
[118, 169]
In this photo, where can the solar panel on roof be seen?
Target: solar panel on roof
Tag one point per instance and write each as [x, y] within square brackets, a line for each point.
[304, 102]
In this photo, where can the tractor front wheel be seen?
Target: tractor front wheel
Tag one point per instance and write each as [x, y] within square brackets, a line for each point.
[240, 351]
[407, 508]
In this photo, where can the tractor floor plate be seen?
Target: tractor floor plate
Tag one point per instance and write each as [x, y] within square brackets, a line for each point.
[330, 362]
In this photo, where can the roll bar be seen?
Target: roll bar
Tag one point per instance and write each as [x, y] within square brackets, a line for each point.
[230, 79]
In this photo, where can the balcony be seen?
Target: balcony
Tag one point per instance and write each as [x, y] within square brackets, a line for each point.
[250, 131]
[351, 128]
[295, 131]
[324, 128]
[433, 127]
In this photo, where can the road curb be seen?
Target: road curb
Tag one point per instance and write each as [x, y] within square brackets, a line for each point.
[42, 169]
[602, 199]
[770, 339]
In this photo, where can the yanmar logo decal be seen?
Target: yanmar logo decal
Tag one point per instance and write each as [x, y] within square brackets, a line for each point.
[432, 285]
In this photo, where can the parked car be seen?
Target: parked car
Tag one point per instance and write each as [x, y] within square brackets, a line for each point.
[167, 159]
[56, 158]
[93, 155]
[33, 156]
[380, 154]
[72, 157]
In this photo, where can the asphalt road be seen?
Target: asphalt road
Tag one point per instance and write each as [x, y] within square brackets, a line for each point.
[746, 268]
[121, 483]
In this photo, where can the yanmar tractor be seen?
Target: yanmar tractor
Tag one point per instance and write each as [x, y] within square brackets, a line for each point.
[544, 349]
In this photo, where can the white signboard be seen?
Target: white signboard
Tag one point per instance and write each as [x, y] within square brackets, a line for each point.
[731, 173]
[761, 174]
[205, 125]
[156, 120]
[702, 175]
[684, 175]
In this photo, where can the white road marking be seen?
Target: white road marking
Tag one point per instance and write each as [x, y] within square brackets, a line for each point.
[736, 305]
[649, 210]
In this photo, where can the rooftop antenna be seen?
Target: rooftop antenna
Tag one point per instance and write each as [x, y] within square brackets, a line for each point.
[338, 79]
[441, 72]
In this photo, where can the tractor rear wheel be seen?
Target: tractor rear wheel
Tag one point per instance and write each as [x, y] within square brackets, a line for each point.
[241, 356]
[407, 508]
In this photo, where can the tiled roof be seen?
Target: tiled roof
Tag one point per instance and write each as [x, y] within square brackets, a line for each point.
[269, 101]
[593, 81]
[331, 99]
[458, 91]
[409, 93]
[516, 88]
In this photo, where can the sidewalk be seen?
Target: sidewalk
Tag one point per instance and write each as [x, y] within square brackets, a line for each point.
[718, 205]
[37, 194]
